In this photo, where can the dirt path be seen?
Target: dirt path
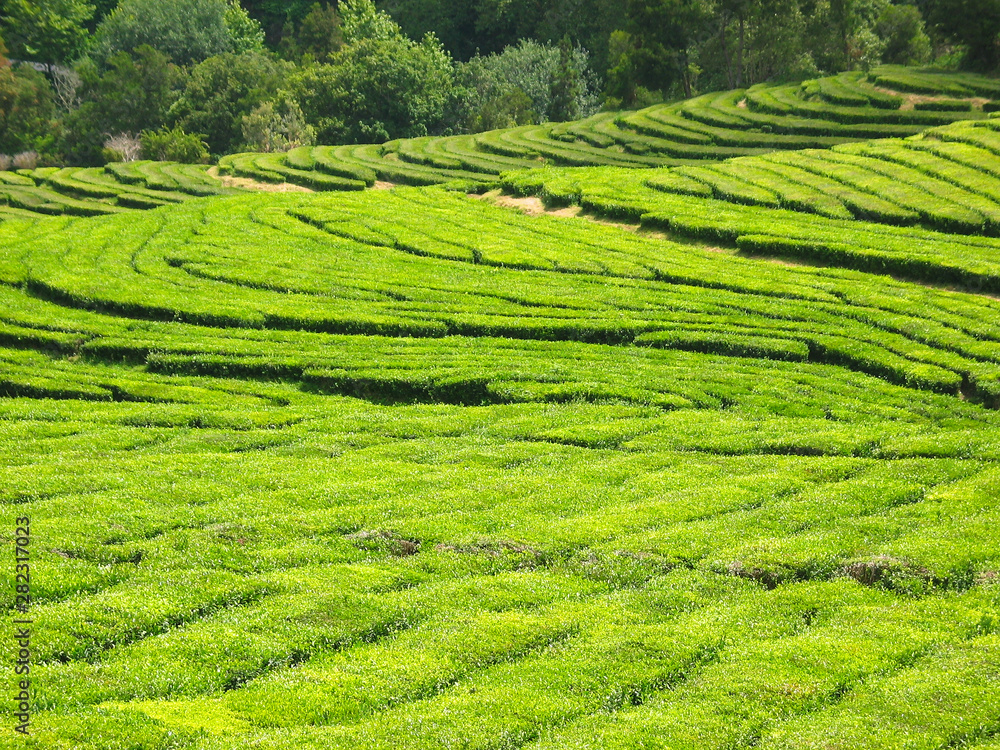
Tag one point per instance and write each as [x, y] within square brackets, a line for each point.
[245, 183]
[533, 206]
[909, 100]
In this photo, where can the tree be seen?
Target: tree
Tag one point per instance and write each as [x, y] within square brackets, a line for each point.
[735, 14]
[27, 110]
[363, 22]
[134, 93]
[975, 24]
[245, 32]
[315, 39]
[276, 15]
[320, 34]
[565, 86]
[502, 23]
[902, 29]
[221, 91]
[622, 80]
[663, 34]
[380, 85]
[188, 31]
[452, 21]
[468, 28]
[102, 9]
[852, 23]
[47, 31]
[497, 84]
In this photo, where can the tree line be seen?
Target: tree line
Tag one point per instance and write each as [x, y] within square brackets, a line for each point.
[191, 79]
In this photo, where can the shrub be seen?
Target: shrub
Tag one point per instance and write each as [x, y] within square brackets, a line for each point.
[277, 126]
[26, 160]
[174, 145]
[122, 147]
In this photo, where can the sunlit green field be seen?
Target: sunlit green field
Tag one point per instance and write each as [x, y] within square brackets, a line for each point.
[411, 470]
[713, 464]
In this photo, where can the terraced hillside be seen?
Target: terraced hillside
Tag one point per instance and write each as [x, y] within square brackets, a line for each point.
[96, 191]
[890, 102]
[408, 469]
[821, 205]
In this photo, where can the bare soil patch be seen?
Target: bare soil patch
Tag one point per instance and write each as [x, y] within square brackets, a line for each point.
[909, 100]
[245, 183]
[532, 205]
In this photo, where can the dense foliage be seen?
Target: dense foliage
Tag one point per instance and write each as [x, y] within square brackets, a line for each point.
[360, 73]
[403, 469]
[708, 461]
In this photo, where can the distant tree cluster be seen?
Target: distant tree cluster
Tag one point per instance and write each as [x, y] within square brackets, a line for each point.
[191, 79]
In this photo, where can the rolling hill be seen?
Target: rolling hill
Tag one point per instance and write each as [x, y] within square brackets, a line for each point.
[686, 453]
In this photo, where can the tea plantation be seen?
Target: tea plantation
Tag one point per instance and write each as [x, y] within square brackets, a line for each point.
[888, 102]
[715, 464]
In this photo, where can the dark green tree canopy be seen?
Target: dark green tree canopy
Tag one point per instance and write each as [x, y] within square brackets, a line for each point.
[974, 24]
[316, 38]
[518, 86]
[133, 93]
[906, 41]
[27, 109]
[565, 86]
[320, 34]
[46, 31]
[222, 90]
[379, 85]
[187, 31]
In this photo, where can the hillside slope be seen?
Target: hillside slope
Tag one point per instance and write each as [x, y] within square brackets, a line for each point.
[706, 455]
[889, 102]
[397, 468]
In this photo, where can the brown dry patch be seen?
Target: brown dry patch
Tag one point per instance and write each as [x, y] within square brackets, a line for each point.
[652, 234]
[492, 549]
[383, 185]
[911, 99]
[531, 205]
[742, 103]
[386, 541]
[882, 569]
[788, 263]
[717, 249]
[766, 578]
[245, 183]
